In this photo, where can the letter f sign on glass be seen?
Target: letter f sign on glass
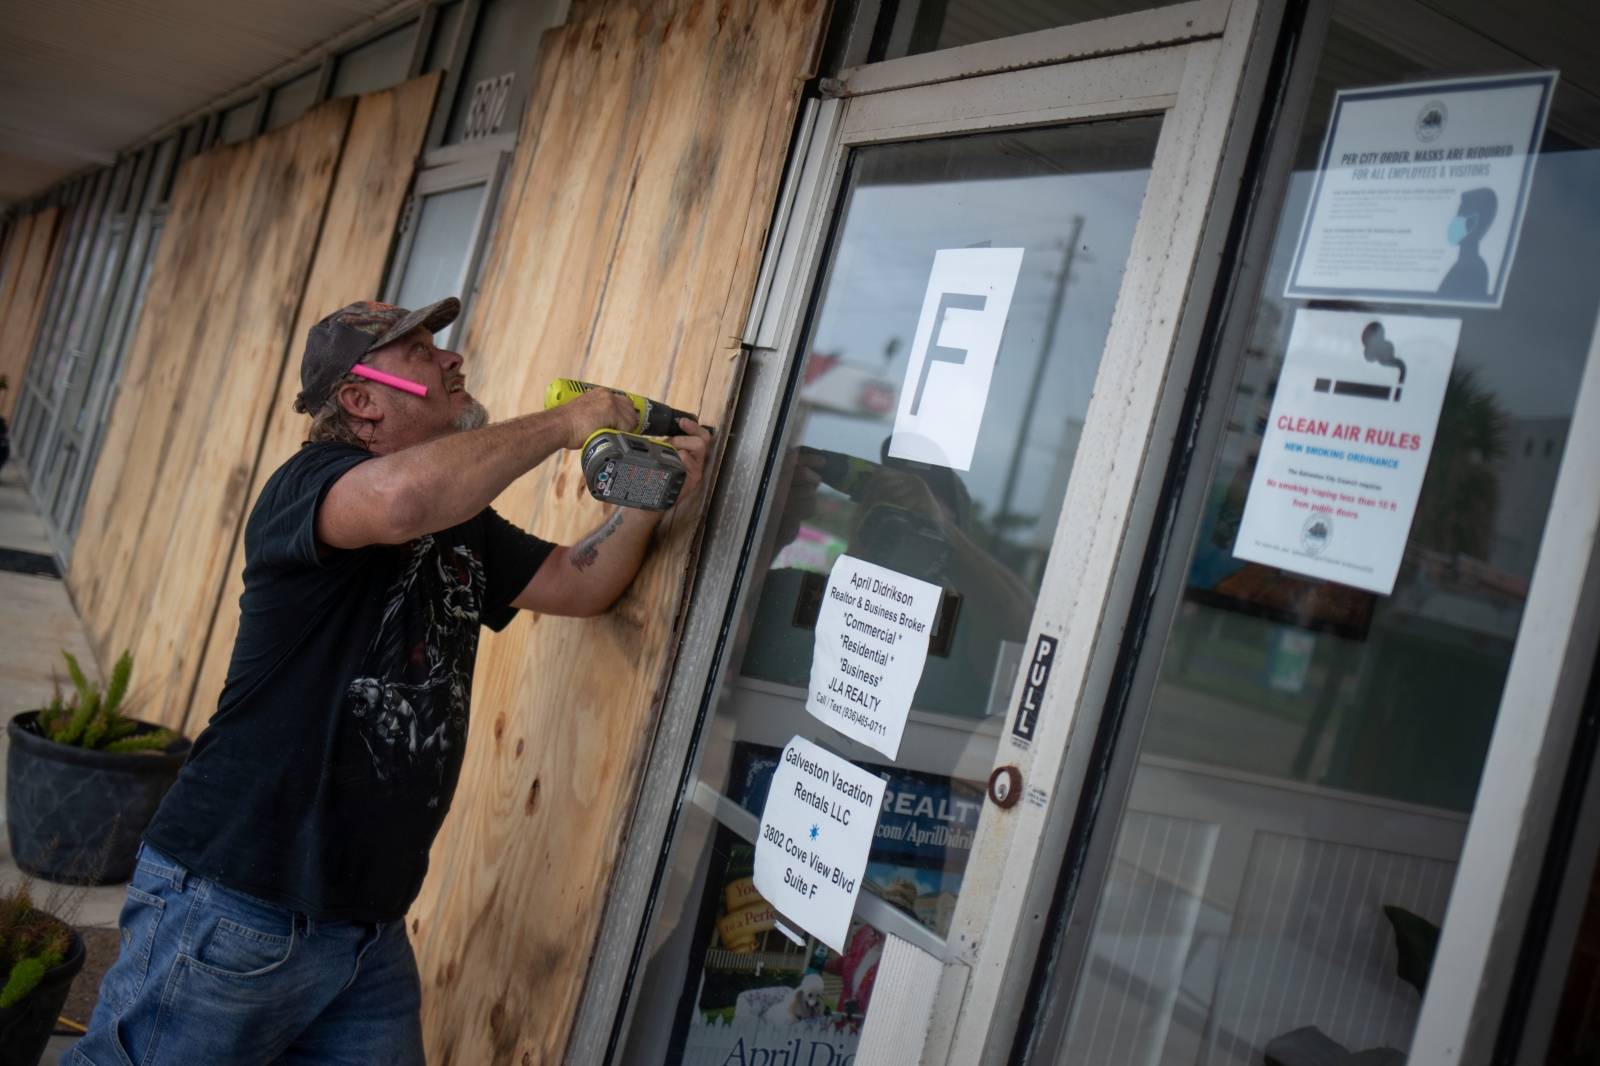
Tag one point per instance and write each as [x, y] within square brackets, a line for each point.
[952, 355]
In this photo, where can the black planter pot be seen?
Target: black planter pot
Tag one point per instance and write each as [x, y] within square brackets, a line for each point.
[76, 815]
[25, 1027]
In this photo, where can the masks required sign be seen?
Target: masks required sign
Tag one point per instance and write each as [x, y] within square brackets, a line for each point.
[1419, 193]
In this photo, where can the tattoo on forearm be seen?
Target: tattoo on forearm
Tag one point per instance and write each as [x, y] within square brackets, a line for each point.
[587, 551]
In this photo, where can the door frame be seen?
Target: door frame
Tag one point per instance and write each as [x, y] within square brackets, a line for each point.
[1200, 65]
[1551, 668]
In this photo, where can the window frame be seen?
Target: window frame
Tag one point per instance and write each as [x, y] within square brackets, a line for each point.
[480, 168]
[1539, 710]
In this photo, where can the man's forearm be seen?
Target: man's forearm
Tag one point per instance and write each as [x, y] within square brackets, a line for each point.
[586, 578]
[446, 481]
[606, 560]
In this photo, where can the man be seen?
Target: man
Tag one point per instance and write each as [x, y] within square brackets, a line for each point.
[265, 918]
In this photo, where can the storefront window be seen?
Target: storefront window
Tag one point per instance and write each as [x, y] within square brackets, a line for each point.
[917, 26]
[447, 227]
[238, 123]
[496, 77]
[1062, 203]
[292, 99]
[375, 65]
[1324, 702]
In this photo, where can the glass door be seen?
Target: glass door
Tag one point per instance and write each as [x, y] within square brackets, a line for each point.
[954, 366]
[1066, 200]
[1289, 796]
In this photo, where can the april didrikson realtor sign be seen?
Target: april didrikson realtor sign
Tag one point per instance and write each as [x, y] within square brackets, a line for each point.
[871, 646]
[816, 830]
[1347, 443]
[1420, 190]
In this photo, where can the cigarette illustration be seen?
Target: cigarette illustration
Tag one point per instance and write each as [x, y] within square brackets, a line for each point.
[1377, 349]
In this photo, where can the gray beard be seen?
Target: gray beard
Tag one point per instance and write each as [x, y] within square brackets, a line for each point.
[473, 416]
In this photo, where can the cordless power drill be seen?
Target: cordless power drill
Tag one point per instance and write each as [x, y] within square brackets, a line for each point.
[629, 468]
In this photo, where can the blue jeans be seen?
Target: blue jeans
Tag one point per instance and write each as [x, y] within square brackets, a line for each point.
[210, 975]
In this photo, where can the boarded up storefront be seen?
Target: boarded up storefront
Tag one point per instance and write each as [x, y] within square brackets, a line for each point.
[630, 232]
[26, 265]
[259, 234]
[628, 248]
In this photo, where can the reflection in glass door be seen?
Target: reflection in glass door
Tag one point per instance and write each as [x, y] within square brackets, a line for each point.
[1310, 752]
[719, 970]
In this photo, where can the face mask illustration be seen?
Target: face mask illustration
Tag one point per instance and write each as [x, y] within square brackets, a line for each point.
[1458, 230]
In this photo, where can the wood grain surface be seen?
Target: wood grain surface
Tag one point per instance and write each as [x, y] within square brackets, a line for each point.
[26, 265]
[369, 191]
[628, 243]
[180, 448]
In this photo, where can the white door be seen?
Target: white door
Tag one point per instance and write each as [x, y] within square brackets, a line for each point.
[959, 364]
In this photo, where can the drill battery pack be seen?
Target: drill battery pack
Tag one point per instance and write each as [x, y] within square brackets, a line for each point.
[631, 470]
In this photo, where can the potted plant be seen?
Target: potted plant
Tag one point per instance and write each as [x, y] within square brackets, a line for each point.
[83, 780]
[40, 954]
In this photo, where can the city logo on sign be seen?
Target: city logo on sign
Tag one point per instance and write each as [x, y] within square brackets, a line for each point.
[1431, 120]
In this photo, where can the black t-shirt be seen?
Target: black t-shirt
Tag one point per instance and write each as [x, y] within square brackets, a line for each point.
[323, 777]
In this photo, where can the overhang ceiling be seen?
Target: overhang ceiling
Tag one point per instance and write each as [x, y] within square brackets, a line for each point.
[81, 79]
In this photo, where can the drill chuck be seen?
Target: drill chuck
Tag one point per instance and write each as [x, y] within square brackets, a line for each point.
[656, 419]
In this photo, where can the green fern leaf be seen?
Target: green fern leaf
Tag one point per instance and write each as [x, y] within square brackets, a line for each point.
[153, 741]
[118, 688]
[82, 715]
[25, 977]
[75, 672]
[121, 726]
[95, 732]
[53, 718]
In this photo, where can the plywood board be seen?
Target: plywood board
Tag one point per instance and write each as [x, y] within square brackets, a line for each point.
[369, 191]
[628, 245]
[29, 261]
[13, 356]
[168, 492]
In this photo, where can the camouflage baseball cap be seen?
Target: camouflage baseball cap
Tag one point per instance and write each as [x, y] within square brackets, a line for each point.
[341, 340]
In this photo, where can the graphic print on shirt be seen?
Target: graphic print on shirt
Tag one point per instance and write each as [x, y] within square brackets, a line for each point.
[411, 699]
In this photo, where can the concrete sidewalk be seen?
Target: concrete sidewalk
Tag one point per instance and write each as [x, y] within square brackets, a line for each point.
[37, 620]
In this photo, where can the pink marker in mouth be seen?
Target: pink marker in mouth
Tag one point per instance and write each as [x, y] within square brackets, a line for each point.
[403, 384]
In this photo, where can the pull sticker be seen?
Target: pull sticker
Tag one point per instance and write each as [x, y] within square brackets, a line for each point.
[1044, 656]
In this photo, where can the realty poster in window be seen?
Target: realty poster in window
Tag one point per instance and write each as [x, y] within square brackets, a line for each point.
[754, 993]
[1420, 191]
